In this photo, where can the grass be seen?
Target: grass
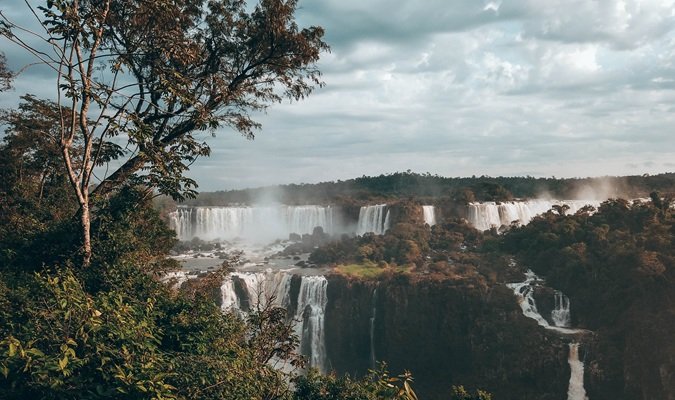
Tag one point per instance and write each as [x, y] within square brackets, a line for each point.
[367, 270]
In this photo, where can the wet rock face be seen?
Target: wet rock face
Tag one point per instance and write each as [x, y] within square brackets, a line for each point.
[347, 325]
[545, 298]
[445, 332]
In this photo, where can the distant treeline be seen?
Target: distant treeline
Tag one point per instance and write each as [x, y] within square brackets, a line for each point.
[428, 187]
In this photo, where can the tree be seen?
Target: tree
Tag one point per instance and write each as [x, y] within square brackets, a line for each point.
[150, 74]
[5, 74]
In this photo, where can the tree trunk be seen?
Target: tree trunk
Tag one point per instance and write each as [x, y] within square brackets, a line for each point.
[85, 222]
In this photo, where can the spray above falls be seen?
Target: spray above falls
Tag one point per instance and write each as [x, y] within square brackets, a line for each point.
[484, 216]
[254, 223]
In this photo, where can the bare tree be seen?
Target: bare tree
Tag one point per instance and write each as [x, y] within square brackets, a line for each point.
[142, 76]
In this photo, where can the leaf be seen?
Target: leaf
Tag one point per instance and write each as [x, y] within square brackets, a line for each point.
[63, 362]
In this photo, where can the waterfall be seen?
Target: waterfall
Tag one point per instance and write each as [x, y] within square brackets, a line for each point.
[576, 389]
[263, 223]
[561, 314]
[525, 293]
[228, 296]
[373, 219]
[373, 315]
[484, 216]
[561, 320]
[429, 215]
[311, 311]
[261, 287]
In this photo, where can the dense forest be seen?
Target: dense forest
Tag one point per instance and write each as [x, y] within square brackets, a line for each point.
[426, 186]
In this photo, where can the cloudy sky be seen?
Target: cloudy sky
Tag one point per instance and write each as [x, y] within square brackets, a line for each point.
[466, 87]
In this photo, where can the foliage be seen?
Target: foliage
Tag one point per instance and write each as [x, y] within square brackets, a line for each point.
[617, 265]
[171, 69]
[625, 249]
[405, 185]
[378, 384]
[368, 270]
[5, 74]
[459, 393]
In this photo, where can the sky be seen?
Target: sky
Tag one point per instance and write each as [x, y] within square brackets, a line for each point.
[563, 88]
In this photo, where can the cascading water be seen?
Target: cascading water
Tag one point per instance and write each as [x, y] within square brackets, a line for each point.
[311, 311]
[484, 216]
[373, 219]
[576, 389]
[429, 215]
[561, 313]
[262, 287]
[524, 291]
[260, 223]
[561, 320]
[373, 315]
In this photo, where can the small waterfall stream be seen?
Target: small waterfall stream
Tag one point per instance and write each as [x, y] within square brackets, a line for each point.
[429, 213]
[576, 389]
[373, 315]
[561, 319]
[561, 314]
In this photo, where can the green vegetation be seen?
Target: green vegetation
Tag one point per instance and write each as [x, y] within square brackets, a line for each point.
[404, 185]
[369, 270]
[618, 267]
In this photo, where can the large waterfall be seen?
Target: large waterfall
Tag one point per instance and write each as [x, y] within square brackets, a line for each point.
[261, 287]
[429, 213]
[576, 389]
[259, 223]
[373, 219]
[484, 216]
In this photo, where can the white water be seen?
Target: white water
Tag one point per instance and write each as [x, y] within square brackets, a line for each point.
[373, 219]
[561, 320]
[525, 293]
[561, 313]
[484, 216]
[258, 223]
[429, 215]
[373, 315]
[311, 311]
[576, 389]
[525, 290]
[275, 287]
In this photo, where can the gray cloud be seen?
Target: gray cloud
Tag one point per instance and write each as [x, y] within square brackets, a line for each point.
[561, 87]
